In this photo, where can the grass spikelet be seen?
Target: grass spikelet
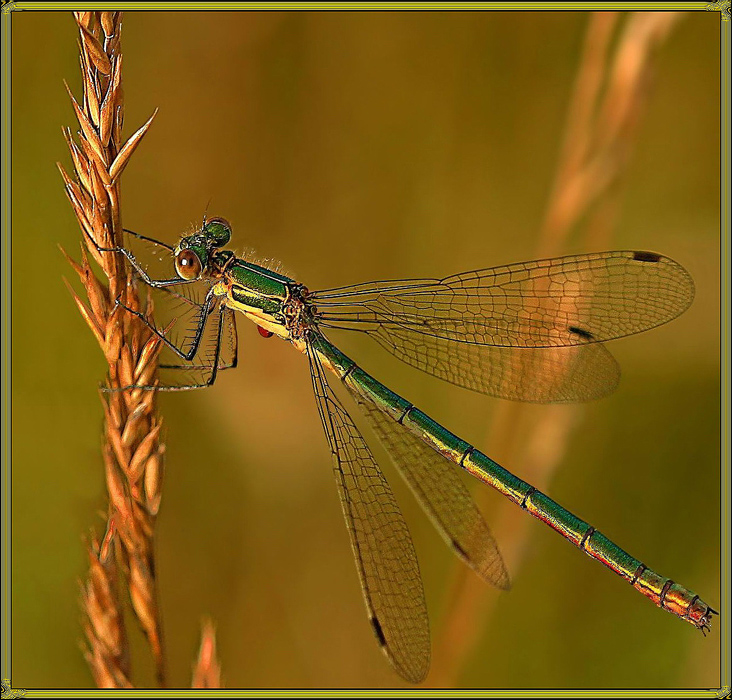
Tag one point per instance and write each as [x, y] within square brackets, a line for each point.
[132, 427]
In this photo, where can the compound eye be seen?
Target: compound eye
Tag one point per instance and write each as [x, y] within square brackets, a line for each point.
[187, 264]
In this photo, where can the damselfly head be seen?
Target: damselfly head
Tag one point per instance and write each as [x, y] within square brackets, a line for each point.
[217, 231]
[193, 253]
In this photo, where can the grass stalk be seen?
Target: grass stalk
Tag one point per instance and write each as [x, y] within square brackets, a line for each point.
[121, 565]
[612, 84]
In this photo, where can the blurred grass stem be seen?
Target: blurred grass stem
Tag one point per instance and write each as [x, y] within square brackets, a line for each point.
[612, 83]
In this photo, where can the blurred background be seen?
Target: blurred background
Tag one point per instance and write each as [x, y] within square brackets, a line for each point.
[356, 146]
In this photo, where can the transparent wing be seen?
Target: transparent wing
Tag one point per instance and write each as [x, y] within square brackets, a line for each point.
[437, 486]
[382, 546]
[464, 328]
[543, 303]
[180, 314]
[541, 375]
[229, 354]
[155, 257]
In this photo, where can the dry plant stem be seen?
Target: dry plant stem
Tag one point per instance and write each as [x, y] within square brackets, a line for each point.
[131, 447]
[608, 97]
[207, 670]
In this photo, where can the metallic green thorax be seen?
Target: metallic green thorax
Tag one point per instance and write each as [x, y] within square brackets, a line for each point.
[256, 287]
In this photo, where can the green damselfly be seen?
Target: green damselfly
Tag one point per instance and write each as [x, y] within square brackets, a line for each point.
[531, 331]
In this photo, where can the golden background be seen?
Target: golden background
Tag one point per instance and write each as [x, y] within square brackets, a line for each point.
[357, 146]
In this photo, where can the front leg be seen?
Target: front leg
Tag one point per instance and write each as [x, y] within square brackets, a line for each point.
[206, 308]
[156, 283]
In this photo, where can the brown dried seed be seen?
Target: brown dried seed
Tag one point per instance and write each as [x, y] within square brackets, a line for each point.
[95, 51]
[115, 84]
[113, 338]
[95, 290]
[153, 481]
[96, 612]
[129, 148]
[106, 117]
[117, 38]
[88, 241]
[147, 378]
[115, 413]
[92, 98]
[96, 570]
[112, 378]
[88, 130]
[75, 265]
[113, 195]
[108, 23]
[148, 356]
[105, 548]
[81, 163]
[86, 228]
[148, 402]
[100, 178]
[139, 413]
[85, 19]
[121, 679]
[112, 412]
[131, 433]
[78, 195]
[103, 673]
[144, 524]
[87, 315]
[97, 176]
[139, 459]
[119, 117]
[67, 180]
[117, 493]
[125, 365]
[80, 198]
[144, 609]
[84, 66]
[113, 102]
[112, 344]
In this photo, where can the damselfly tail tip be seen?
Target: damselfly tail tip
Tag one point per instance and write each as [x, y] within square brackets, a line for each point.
[706, 622]
[702, 620]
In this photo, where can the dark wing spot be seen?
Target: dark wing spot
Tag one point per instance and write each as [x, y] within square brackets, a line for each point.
[645, 256]
[581, 332]
[459, 550]
[378, 631]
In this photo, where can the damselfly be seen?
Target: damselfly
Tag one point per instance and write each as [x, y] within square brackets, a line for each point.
[531, 331]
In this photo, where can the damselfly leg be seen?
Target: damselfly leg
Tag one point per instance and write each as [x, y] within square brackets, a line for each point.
[197, 330]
